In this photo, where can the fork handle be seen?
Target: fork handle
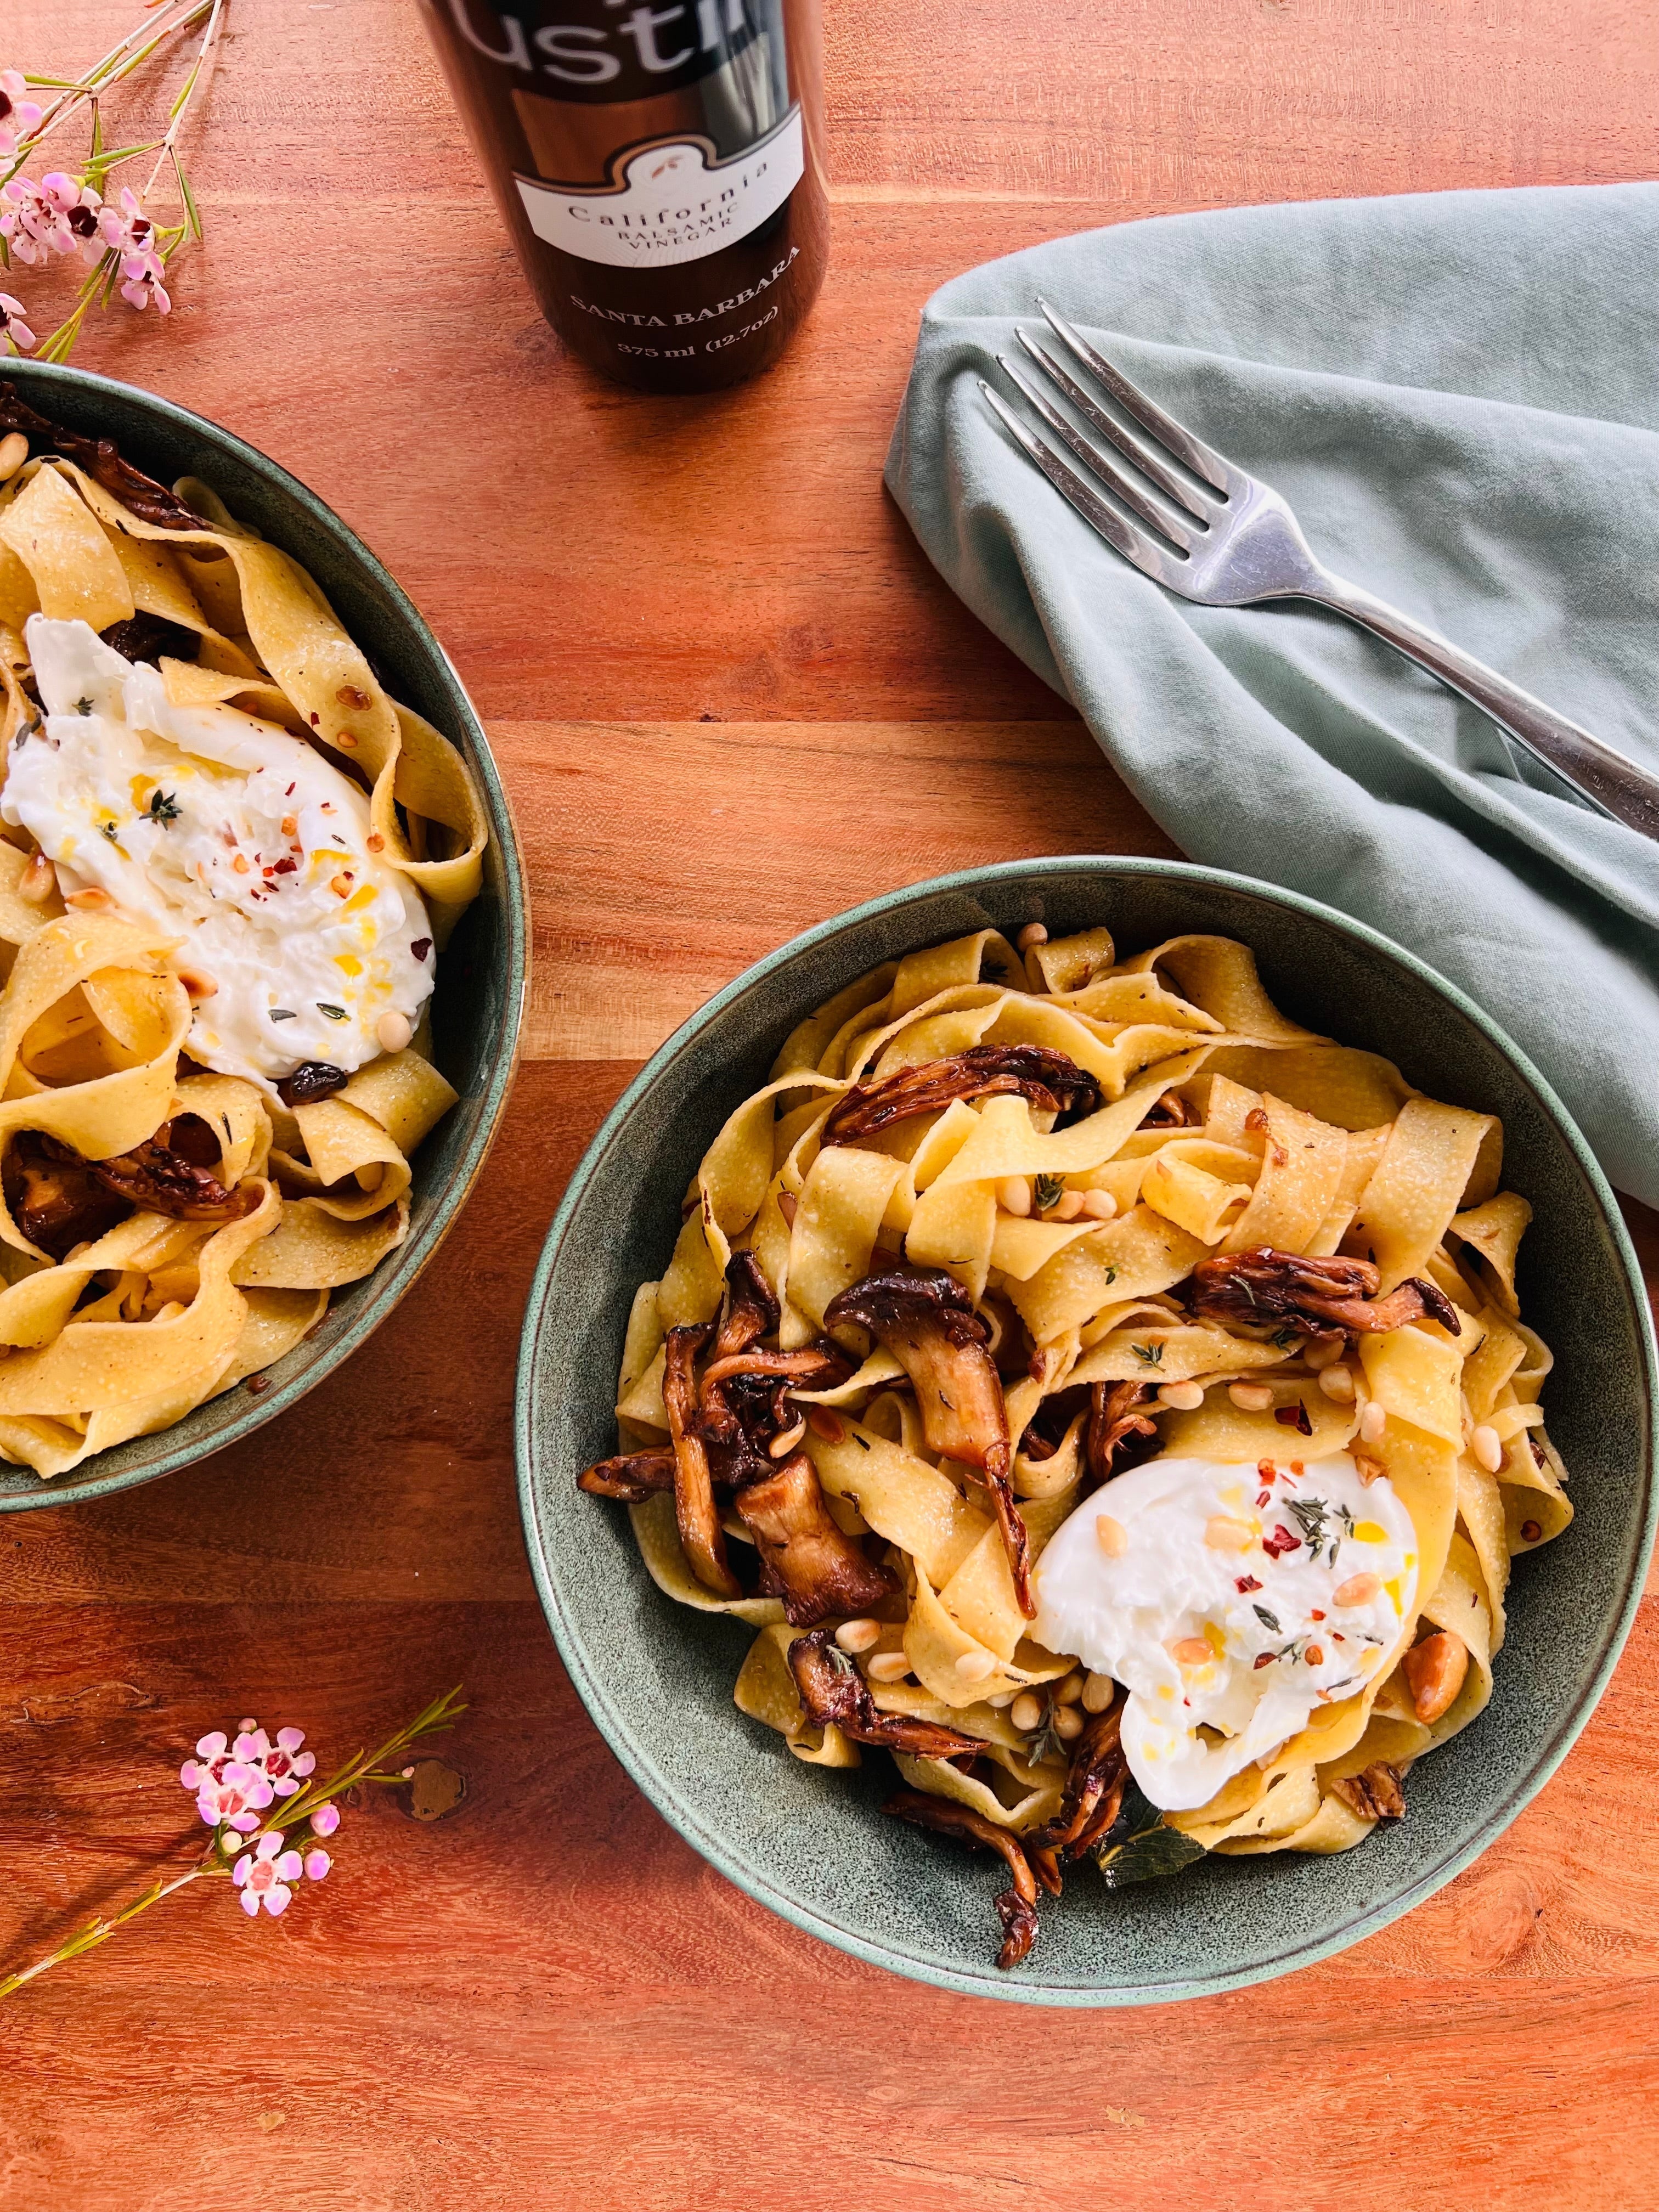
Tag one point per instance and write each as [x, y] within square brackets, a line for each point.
[1611, 781]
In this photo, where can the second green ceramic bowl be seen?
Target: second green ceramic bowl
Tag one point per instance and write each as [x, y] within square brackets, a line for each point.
[479, 1000]
[813, 1846]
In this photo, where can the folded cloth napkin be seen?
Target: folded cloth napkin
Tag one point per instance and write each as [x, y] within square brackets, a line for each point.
[1457, 393]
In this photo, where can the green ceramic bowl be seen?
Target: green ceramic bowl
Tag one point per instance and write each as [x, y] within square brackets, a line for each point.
[481, 976]
[657, 1677]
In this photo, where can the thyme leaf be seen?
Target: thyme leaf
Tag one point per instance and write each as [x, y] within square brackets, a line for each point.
[1048, 1188]
[1151, 1353]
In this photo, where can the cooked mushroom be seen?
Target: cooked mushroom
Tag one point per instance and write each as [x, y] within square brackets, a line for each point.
[927, 1320]
[1171, 1111]
[148, 637]
[1113, 1419]
[55, 1198]
[751, 1311]
[1375, 1795]
[1094, 1790]
[701, 1533]
[312, 1080]
[149, 500]
[1325, 1298]
[633, 1476]
[832, 1690]
[168, 1174]
[810, 1564]
[1016, 1905]
[1049, 1080]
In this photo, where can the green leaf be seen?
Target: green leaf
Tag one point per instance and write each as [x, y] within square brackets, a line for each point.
[1137, 1847]
[1048, 1188]
[1151, 1353]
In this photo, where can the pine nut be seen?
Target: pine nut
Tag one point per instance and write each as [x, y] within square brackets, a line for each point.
[1373, 1421]
[1358, 1589]
[1435, 1669]
[1068, 1692]
[783, 1443]
[14, 451]
[1014, 1195]
[40, 880]
[1067, 1206]
[887, 1667]
[1033, 933]
[1338, 1383]
[1223, 1533]
[858, 1635]
[393, 1032]
[1069, 1724]
[1321, 1355]
[1099, 1205]
[1190, 1651]
[1182, 1397]
[976, 1666]
[88, 901]
[1250, 1397]
[1001, 1701]
[1112, 1536]
[825, 1425]
[197, 985]
[1098, 1692]
[1488, 1448]
[1026, 1712]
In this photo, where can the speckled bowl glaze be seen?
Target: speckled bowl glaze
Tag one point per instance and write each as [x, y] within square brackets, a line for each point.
[812, 1844]
[481, 976]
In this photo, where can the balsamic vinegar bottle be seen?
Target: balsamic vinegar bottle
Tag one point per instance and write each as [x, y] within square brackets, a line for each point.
[660, 167]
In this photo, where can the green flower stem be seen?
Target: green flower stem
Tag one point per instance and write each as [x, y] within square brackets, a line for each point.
[100, 1931]
[118, 63]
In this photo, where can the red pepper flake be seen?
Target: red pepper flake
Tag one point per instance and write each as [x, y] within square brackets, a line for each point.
[1267, 1470]
[1279, 1542]
[1245, 1585]
[316, 722]
[1297, 1467]
[283, 867]
[289, 793]
[422, 947]
[1531, 1531]
[1315, 1616]
[1337, 1636]
[1262, 1496]
[1265, 1659]
[267, 871]
[1294, 1417]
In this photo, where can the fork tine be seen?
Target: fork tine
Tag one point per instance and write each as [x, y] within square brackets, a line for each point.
[1203, 460]
[1148, 555]
[1117, 480]
[1148, 459]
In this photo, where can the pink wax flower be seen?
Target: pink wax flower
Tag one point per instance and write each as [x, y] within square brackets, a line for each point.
[12, 325]
[325, 1820]
[58, 215]
[144, 287]
[234, 1798]
[285, 1765]
[19, 114]
[264, 1875]
[317, 1865]
[123, 225]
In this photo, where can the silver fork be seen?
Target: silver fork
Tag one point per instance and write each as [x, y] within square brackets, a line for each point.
[1216, 535]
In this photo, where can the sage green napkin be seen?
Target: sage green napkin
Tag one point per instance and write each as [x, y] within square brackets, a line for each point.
[1459, 396]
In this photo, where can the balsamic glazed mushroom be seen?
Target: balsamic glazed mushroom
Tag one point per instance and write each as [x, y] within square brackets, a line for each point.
[148, 637]
[632, 1476]
[751, 1311]
[1375, 1795]
[832, 1690]
[1016, 1905]
[927, 1320]
[1051, 1082]
[167, 1174]
[1113, 1419]
[55, 1198]
[149, 500]
[1325, 1298]
[701, 1533]
[1094, 1790]
[806, 1561]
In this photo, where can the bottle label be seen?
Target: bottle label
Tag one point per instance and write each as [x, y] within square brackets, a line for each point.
[670, 202]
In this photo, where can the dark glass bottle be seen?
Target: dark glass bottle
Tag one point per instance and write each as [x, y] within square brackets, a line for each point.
[660, 167]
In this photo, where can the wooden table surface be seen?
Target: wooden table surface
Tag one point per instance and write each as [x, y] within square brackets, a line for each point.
[678, 617]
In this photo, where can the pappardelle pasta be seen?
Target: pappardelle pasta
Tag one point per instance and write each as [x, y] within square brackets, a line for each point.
[1101, 1393]
[228, 863]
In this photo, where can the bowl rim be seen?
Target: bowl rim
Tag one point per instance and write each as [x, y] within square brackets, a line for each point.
[682, 1816]
[414, 1257]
